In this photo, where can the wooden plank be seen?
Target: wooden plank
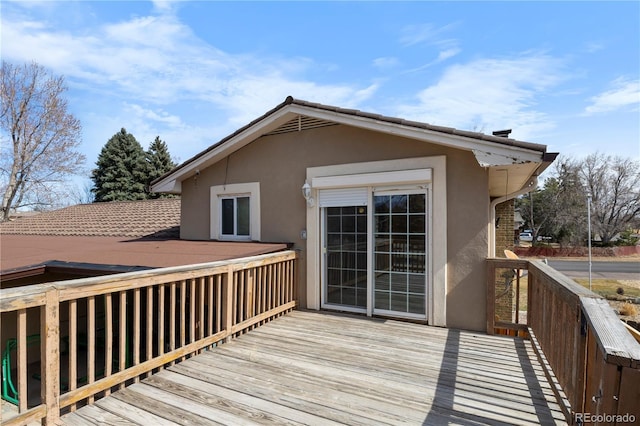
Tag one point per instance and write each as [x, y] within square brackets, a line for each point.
[311, 368]
[241, 297]
[201, 307]
[34, 414]
[219, 303]
[251, 321]
[192, 310]
[205, 414]
[161, 314]
[307, 397]
[123, 338]
[306, 386]
[73, 345]
[91, 342]
[108, 363]
[132, 413]
[183, 313]
[172, 317]
[635, 333]
[85, 287]
[237, 403]
[50, 355]
[618, 346]
[136, 329]
[227, 296]
[22, 360]
[411, 365]
[92, 414]
[24, 297]
[122, 376]
[149, 330]
[301, 356]
[137, 397]
[491, 297]
[629, 392]
[210, 305]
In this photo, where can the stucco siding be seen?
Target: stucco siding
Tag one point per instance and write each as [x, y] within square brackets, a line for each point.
[279, 163]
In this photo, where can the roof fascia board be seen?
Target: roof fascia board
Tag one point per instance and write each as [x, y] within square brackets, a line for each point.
[455, 141]
[172, 182]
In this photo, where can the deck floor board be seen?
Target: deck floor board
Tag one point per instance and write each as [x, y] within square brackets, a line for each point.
[320, 368]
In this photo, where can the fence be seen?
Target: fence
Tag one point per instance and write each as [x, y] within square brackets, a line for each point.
[589, 353]
[99, 334]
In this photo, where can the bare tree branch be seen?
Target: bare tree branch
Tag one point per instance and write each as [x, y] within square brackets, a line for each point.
[42, 135]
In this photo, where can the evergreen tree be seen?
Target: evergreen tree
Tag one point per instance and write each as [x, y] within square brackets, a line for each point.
[122, 170]
[159, 161]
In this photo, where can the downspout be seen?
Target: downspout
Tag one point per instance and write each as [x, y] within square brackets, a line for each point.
[492, 211]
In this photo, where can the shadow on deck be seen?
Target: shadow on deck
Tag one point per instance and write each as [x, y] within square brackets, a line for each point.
[320, 368]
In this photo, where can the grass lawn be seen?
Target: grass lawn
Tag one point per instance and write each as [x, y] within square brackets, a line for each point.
[608, 287]
[602, 286]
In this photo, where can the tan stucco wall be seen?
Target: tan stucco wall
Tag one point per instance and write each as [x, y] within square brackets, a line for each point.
[279, 163]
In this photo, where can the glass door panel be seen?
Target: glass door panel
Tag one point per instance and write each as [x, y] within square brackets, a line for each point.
[346, 256]
[399, 254]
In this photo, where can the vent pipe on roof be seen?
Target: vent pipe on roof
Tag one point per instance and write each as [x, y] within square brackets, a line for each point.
[502, 133]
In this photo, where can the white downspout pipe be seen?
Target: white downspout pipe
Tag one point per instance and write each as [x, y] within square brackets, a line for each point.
[492, 212]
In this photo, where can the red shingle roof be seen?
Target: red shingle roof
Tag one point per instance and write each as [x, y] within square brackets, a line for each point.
[149, 218]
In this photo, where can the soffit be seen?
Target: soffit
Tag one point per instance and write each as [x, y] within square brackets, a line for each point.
[506, 179]
[296, 115]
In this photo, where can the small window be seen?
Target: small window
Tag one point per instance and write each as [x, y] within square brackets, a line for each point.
[235, 216]
[235, 211]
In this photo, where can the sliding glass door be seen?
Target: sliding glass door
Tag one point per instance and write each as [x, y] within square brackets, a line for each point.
[400, 256]
[375, 259]
[346, 256]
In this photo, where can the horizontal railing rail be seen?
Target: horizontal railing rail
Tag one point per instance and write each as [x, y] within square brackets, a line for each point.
[590, 353]
[99, 334]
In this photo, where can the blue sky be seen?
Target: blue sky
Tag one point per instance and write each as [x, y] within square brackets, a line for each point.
[563, 74]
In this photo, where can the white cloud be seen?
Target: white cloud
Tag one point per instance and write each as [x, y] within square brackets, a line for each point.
[490, 94]
[432, 36]
[448, 53]
[426, 33]
[158, 116]
[594, 46]
[165, 6]
[158, 60]
[623, 93]
[385, 62]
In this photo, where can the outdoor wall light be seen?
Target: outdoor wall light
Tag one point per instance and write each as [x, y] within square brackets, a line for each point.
[306, 193]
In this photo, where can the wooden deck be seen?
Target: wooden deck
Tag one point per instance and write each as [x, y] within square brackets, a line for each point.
[320, 369]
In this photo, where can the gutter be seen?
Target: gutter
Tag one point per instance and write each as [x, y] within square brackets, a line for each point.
[547, 159]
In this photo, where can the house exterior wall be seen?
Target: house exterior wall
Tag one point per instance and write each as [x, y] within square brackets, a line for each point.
[504, 241]
[279, 163]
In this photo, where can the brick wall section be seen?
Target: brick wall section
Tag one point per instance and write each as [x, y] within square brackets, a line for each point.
[504, 231]
[504, 240]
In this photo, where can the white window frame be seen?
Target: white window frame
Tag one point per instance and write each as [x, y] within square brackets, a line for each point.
[386, 175]
[235, 234]
[235, 190]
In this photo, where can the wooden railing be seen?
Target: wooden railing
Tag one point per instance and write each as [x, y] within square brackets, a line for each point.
[107, 332]
[588, 352]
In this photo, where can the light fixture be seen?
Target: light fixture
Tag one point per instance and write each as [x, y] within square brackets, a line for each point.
[306, 193]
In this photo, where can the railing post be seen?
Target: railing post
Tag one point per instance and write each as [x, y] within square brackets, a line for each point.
[491, 298]
[228, 303]
[50, 356]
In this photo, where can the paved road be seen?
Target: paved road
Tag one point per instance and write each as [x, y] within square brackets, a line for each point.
[599, 269]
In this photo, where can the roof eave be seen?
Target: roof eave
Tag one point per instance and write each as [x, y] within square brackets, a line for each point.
[501, 151]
